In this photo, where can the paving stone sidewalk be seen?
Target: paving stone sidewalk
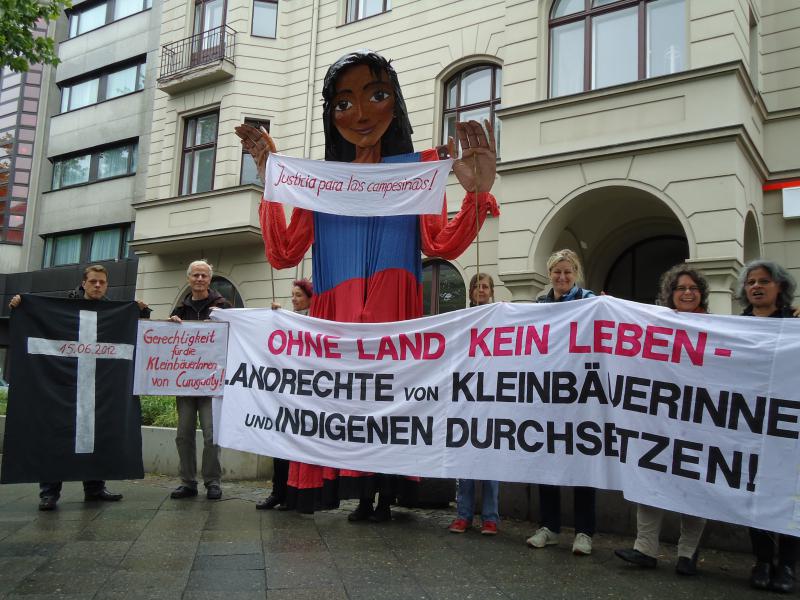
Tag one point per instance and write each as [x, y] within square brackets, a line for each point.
[149, 546]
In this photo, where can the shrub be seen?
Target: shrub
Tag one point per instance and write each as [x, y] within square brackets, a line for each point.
[3, 400]
[159, 411]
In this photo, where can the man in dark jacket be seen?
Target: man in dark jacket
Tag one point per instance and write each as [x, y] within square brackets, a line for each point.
[93, 287]
[197, 306]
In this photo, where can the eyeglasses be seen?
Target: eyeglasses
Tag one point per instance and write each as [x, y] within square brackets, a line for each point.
[761, 282]
[683, 289]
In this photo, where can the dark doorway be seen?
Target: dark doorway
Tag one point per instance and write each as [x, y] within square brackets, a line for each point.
[635, 273]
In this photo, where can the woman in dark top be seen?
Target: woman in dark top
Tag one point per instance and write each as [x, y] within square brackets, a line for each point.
[766, 290]
[302, 292]
[564, 269]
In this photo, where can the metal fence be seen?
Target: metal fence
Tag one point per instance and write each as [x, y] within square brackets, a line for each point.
[200, 49]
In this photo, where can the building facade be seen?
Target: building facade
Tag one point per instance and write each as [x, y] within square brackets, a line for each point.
[81, 129]
[639, 133]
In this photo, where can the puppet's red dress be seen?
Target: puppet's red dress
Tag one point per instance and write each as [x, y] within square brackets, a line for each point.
[366, 270]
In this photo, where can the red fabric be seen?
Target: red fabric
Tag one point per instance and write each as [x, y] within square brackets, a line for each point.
[400, 298]
[285, 246]
[449, 240]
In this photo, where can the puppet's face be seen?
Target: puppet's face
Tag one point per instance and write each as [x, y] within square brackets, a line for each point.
[363, 106]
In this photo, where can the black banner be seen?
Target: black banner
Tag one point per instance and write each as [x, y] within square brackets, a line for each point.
[71, 415]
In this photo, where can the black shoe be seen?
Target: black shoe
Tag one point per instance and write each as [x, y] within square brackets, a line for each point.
[362, 513]
[48, 503]
[381, 514]
[760, 575]
[783, 579]
[687, 566]
[213, 492]
[102, 496]
[183, 491]
[268, 504]
[637, 558]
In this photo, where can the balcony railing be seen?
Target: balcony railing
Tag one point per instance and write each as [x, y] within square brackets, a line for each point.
[200, 49]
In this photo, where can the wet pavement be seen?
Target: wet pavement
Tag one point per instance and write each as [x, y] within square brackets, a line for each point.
[149, 546]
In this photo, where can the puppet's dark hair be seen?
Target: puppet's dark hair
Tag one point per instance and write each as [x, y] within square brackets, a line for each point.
[396, 140]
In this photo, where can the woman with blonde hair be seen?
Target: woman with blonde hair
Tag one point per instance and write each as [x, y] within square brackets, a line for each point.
[564, 270]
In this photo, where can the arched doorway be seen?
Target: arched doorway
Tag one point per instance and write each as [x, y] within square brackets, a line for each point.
[635, 274]
[626, 237]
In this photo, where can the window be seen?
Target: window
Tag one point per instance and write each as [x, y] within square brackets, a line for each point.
[361, 9]
[110, 243]
[103, 86]
[249, 173]
[90, 16]
[227, 290]
[89, 167]
[472, 94]
[599, 43]
[443, 288]
[265, 18]
[199, 154]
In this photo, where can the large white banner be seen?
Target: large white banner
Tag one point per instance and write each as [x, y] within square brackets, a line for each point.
[356, 189]
[694, 413]
[180, 359]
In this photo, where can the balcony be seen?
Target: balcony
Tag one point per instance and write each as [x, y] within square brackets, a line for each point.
[197, 61]
[219, 218]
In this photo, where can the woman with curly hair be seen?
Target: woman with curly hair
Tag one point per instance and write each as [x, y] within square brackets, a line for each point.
[683, 289]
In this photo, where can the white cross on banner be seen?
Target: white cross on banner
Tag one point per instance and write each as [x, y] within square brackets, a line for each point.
[87, 350]
[70, 414]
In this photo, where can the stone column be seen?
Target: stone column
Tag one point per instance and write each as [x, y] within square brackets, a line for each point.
[524, 286]
[721, 274]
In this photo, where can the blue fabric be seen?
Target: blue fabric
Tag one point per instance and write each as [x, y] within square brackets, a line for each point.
[358, 247]
[465, 500]
[575, 292]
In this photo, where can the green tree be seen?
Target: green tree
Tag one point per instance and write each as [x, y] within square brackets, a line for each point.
[19, 47]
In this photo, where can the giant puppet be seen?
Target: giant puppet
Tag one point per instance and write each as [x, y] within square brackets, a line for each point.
[369, 269]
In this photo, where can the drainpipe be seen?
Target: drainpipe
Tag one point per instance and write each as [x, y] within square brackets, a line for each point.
[312, 66]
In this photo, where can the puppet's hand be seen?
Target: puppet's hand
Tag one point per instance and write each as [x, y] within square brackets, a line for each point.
[478, 163]
[258, 143]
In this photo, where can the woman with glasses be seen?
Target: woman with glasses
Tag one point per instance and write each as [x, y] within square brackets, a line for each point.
[685, 290]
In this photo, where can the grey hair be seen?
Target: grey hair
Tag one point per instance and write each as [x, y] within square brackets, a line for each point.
[779, 275]
[203, 262]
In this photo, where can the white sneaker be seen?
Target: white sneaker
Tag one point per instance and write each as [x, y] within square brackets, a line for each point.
[543, 537]
[582, 544]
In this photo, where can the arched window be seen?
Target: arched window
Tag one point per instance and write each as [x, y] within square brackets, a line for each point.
[443, 288]
[472, 95]
[226, 289]
[599, 43]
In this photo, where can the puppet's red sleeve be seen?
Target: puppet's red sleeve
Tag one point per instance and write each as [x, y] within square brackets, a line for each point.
[285, 245]
[449, 239]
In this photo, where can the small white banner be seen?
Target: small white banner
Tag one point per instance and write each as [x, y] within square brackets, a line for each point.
[355, 189]
[693, 413]
[180, 359]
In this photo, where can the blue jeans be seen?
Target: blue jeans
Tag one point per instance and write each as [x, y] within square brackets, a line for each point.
[465, 500]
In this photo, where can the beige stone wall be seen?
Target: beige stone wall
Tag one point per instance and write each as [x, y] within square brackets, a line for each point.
[685, 154]
[780, 53]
